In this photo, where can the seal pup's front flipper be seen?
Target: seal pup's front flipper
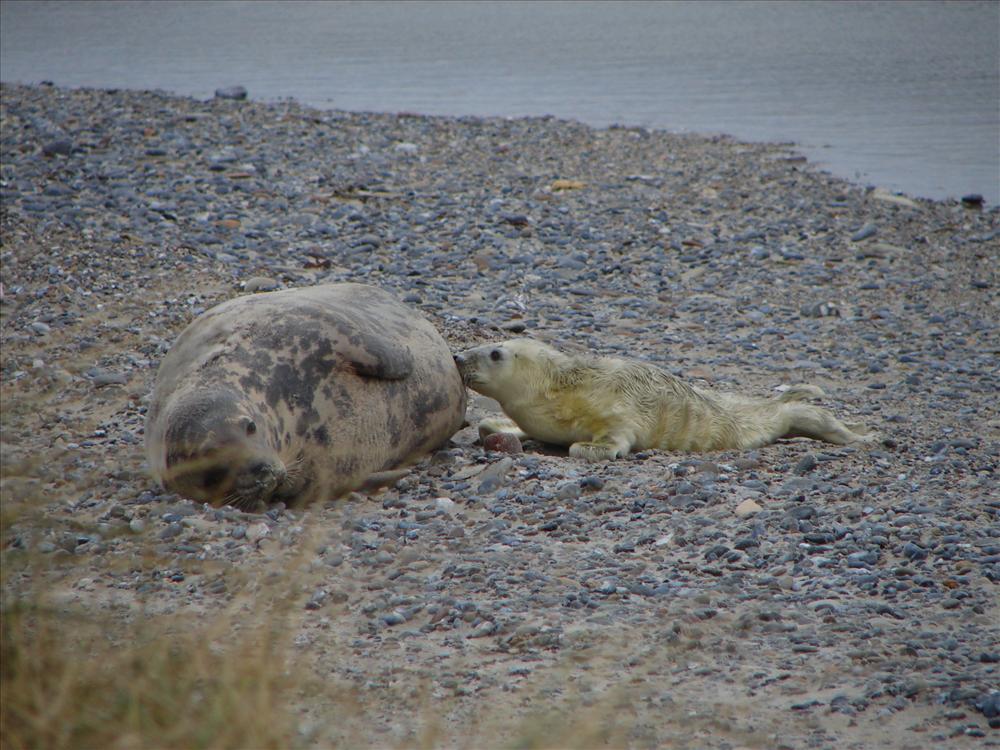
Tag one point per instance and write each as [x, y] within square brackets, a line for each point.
[605, 448]
[491, 425]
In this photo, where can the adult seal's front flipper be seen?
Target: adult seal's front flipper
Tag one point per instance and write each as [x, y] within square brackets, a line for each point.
[372, 357]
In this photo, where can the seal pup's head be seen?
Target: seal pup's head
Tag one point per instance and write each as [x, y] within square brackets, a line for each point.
[510, 368]
[217, 451]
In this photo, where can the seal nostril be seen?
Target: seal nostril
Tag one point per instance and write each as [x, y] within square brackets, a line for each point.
[459, 360]
[259, 469]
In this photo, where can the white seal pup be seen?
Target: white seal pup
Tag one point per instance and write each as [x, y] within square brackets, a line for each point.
[605, 407]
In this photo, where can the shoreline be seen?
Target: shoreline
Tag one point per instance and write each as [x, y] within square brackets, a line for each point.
[853, 600]
[790, 145]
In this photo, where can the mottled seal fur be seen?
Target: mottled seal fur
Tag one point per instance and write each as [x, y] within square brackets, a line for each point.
[604, 407]
[299, 394]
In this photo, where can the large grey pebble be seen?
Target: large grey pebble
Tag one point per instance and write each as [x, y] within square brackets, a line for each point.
[231, 92]
[868, 230]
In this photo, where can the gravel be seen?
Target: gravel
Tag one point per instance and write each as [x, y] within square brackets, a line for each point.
[789, 586]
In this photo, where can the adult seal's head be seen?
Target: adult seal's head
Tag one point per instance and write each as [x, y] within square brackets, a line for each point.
[298, 395]
[220, 450]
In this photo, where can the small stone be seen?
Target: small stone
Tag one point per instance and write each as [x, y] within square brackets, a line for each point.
[819, 310]
[747, 508]
[171, 531]
[257, 531]
[503, 442]
[260, 284]
[444, 503]
[40, 328]
[103, 378]
[868, 230]
[806, 464]
[406, 148]
[136, 525]
[972, 200]
[493, 477]
[567, 185]
[60, 147]
[568, 491]
[881, 194]
[231, 92]
[863, 559]
[607, 587]
[482, 630]
[394, 618]
[515, 326]
[517, 220]
[989, 704]
[317, 600]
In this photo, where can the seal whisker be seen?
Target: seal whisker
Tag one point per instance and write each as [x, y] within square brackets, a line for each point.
[242, 502]
[294, 469]
[232, 499]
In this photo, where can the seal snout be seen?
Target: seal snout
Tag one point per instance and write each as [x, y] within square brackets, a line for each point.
[260, 469]
[463, 361]
[261, 478]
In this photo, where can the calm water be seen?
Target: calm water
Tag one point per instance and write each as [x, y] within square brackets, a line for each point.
[904, 95]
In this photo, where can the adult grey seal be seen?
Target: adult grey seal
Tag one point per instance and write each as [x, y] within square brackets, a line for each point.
[299, 395]
[604, 407]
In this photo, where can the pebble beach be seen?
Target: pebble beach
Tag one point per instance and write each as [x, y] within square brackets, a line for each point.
[801, 595]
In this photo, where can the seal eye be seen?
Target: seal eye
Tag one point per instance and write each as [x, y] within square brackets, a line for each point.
[251, 427]
[495, 355]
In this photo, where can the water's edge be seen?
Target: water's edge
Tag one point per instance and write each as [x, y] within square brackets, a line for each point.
[902, 95]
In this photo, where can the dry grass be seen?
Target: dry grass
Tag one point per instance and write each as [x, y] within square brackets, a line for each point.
[73, 679]
[76, 676]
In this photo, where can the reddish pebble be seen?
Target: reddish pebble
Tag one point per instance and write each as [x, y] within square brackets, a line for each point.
[503, 442]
